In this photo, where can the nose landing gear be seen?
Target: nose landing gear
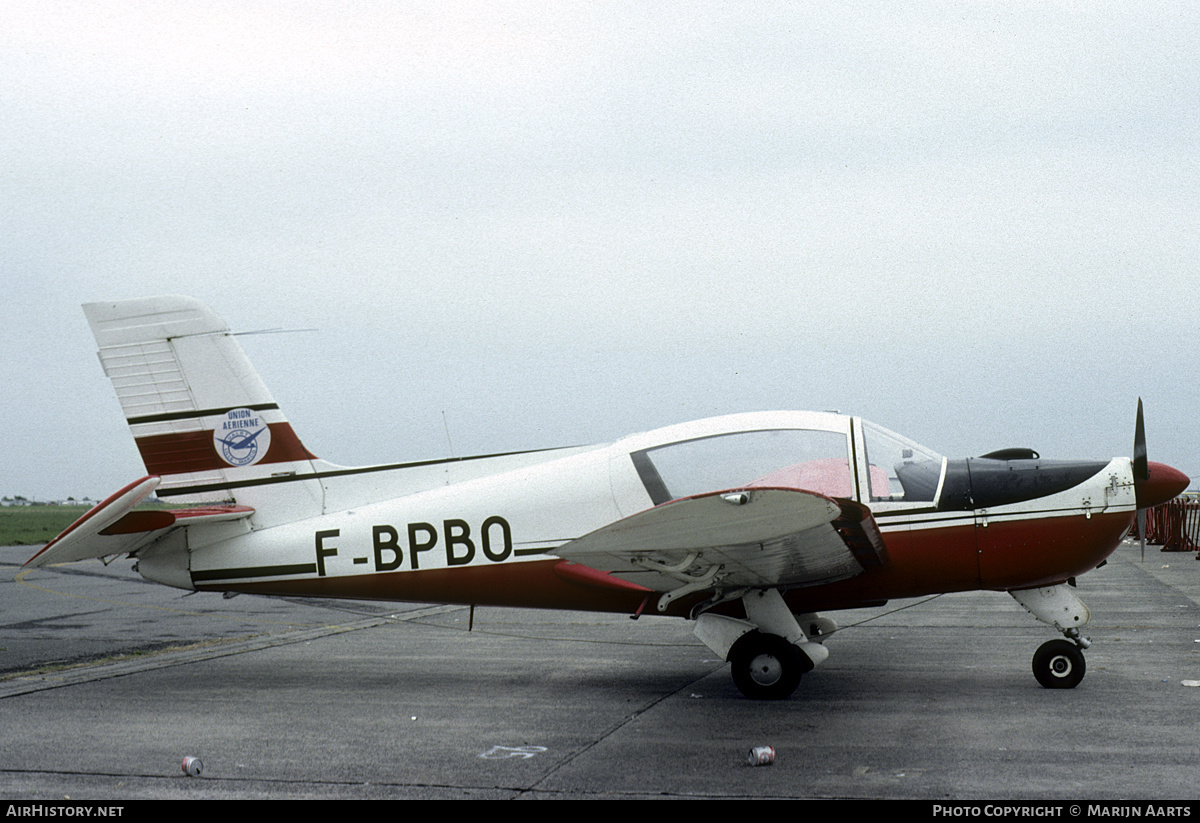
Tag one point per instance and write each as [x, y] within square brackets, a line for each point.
[1058, 664]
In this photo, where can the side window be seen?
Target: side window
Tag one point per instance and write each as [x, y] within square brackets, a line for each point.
[784, 458]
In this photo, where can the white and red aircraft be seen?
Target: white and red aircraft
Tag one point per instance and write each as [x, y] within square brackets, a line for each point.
[747, 524]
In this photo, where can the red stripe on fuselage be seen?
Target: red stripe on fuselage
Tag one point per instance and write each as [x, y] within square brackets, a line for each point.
[185, 452]
[1015, 554]
[1004, 555]
[523, 585]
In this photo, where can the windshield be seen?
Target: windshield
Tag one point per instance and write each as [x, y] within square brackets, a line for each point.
[789, 458]
[899, 469]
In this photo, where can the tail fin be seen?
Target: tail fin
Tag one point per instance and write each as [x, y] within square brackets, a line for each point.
[202, 419]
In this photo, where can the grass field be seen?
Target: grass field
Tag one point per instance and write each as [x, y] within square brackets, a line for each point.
[35, 525]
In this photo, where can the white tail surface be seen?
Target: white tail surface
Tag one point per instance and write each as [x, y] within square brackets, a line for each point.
[202, 419]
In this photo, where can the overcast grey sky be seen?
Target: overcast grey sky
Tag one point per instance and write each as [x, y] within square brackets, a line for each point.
[977, 224]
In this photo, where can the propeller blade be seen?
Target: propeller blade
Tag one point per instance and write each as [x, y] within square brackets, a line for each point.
[1141, 467]
[1167, 484]
[1141, 471]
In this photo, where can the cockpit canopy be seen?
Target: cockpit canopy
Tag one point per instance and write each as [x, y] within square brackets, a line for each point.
[841, 457]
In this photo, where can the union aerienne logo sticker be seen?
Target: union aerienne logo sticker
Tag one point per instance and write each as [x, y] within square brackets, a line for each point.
[242, 437]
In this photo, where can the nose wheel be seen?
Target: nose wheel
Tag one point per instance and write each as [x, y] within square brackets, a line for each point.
[1058, 664]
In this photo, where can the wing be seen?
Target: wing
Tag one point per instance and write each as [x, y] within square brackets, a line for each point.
[113, 527]
[752, 538]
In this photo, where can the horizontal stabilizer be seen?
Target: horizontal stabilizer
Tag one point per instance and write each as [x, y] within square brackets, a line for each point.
[113, 527]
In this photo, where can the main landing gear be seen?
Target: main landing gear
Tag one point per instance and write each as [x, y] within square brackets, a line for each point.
[1058, 664]
[769, 651]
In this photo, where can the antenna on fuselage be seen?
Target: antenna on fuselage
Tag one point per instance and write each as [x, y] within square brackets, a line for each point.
[446, 425]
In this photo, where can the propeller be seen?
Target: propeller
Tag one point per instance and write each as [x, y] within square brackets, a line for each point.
[1153, 483]
[1141, 471]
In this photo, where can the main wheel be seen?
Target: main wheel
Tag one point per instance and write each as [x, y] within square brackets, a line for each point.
[1058, 665]
[765, 666]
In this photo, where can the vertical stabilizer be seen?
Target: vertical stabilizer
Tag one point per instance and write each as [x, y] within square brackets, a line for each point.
[202, 419]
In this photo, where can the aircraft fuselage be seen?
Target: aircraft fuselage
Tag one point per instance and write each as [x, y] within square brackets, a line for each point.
[484, 539]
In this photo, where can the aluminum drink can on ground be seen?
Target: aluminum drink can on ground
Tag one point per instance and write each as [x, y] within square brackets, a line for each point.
[761, 756]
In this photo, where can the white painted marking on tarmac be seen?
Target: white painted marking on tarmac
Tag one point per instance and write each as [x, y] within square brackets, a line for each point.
[503, 752]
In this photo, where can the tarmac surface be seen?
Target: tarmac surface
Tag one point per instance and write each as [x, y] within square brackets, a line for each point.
[107, 682]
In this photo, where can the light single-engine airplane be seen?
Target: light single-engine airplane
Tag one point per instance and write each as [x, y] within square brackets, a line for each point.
[747, 524]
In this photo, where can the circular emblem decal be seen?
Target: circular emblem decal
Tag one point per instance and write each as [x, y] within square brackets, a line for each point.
[242, 437]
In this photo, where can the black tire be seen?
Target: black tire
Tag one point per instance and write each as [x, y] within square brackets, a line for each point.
[1058, 665]
[765, 666]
